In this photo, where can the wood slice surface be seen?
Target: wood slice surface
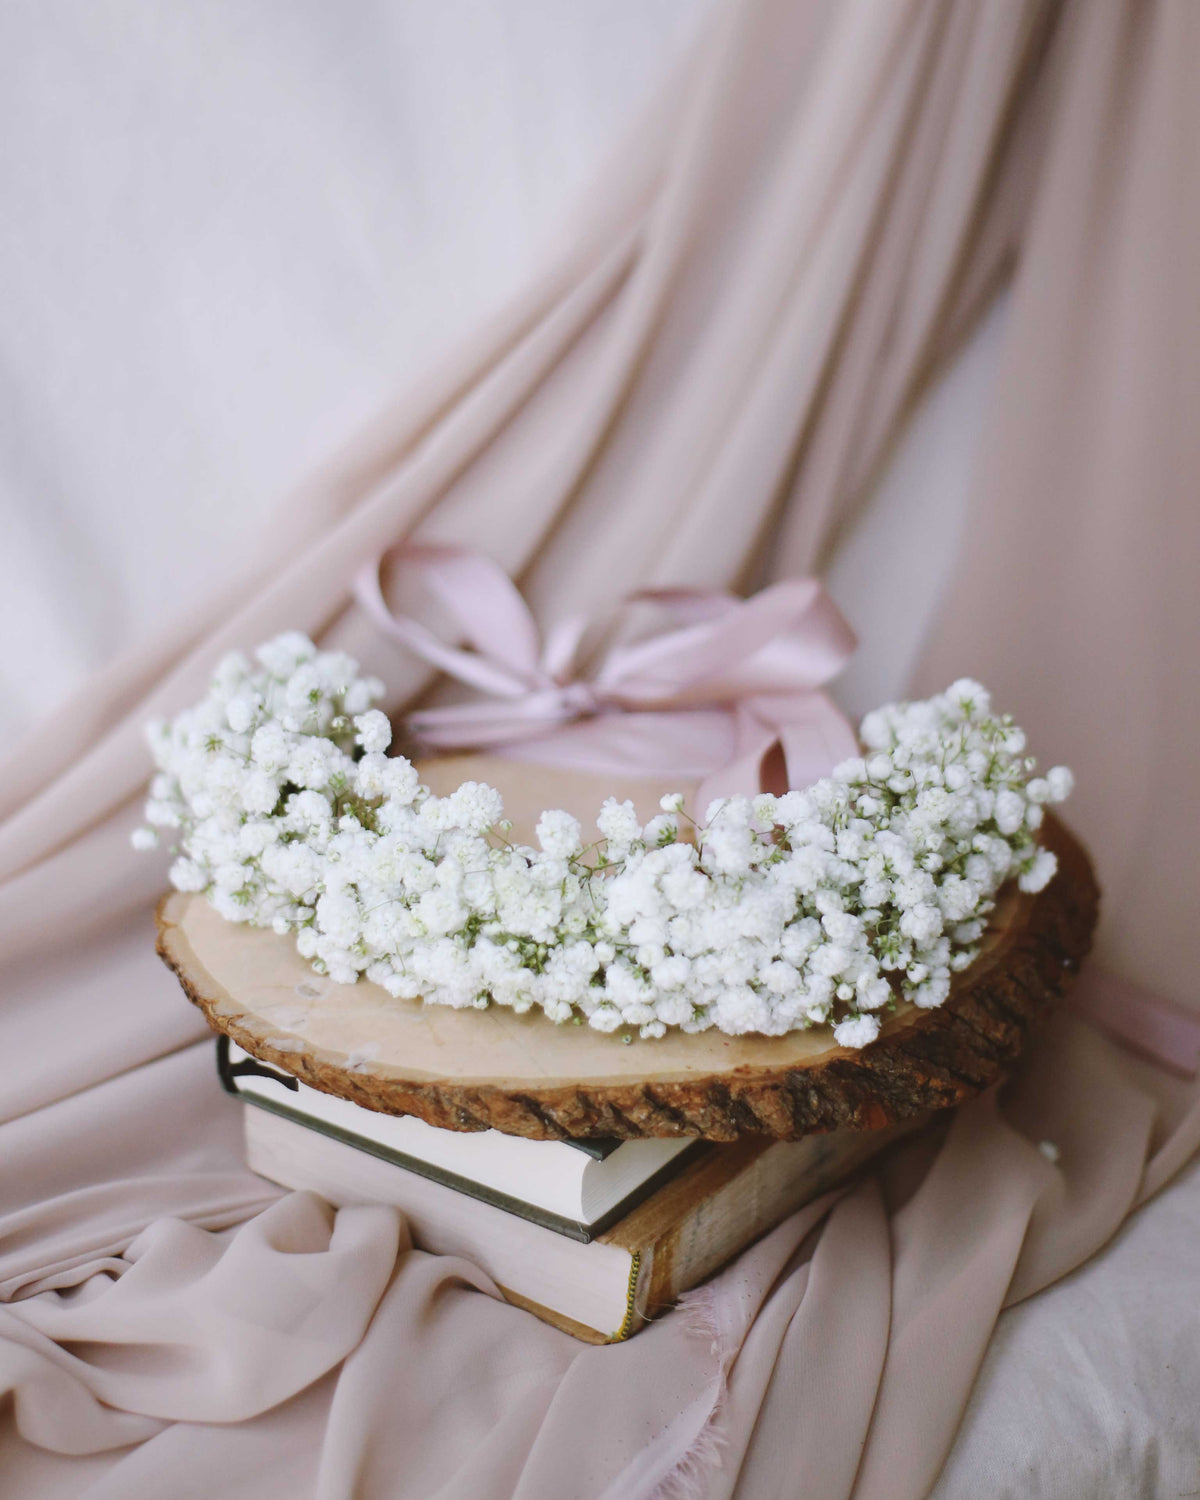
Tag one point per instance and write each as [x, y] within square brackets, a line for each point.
[524, 1075]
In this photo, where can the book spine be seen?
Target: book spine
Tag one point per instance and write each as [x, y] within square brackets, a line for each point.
[754, 1201]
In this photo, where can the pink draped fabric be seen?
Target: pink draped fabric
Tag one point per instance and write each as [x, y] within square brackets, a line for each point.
[1087, 482]
[694, 392]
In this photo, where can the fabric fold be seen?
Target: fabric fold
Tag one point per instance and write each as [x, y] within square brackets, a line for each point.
[693, 394]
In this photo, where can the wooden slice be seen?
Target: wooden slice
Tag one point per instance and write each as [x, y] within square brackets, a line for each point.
[474, 1070]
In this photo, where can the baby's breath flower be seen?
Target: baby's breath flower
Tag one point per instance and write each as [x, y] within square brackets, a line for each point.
[856, 1031]
[817, 907]
[618, 824]
[374, 731]
[558, 834]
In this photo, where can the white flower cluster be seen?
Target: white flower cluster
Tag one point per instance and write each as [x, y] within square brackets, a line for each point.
[826, 905]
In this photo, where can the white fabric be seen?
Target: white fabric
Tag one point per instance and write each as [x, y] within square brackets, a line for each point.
[229, 232]
[1090, 1388]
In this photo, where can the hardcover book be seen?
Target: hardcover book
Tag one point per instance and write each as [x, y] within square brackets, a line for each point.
[577, 1188]
[599, 1282]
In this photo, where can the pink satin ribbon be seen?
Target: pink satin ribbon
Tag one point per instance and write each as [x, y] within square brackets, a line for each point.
[1149, 1024]
[708, 699]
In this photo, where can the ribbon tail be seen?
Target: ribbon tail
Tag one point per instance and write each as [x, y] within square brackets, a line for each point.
[680, 747]
[791, 638]
[808, 731]
[489, 674]
[489, 722]
[816, 736]
[488, 606]
[1145, 1022]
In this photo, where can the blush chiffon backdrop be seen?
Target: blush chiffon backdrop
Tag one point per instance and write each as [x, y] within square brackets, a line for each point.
[698, 387]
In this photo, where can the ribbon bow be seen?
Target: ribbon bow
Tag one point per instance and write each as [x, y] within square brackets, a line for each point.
[710, 698]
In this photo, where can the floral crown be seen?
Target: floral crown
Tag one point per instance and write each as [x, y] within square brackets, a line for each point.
[827, 905]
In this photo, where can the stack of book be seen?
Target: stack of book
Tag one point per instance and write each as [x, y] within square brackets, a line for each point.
[593, 1236]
